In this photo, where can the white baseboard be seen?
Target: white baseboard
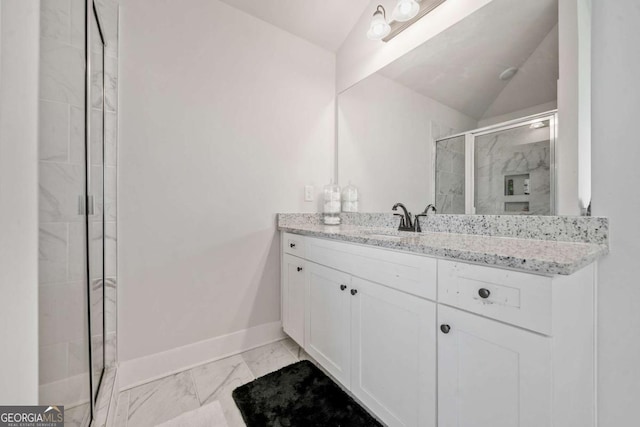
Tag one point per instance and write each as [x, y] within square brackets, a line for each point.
[148, 368]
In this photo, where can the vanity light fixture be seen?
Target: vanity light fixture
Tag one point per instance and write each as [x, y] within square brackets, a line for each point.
[538, 125]
[405, 10]
[379, 27]
[405, 13]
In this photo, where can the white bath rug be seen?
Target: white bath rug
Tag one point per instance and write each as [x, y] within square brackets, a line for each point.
[210, 415]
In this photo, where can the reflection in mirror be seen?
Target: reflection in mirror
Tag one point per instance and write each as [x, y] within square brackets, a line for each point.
[513, 169]
[498, 65]
[450, 175]
[510, 171]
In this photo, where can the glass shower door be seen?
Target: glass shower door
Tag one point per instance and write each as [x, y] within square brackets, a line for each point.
[71, 210]
[96, 211]
[64, 371]
[513, 169]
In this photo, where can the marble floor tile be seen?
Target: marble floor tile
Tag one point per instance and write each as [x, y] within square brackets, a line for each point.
[296, 351]
[122, 410]
[217, 380]
[290, 345]
[76, 417]
[161, 400]
[268, 358]
[164, 399]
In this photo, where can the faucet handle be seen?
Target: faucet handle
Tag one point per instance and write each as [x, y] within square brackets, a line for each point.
[402, 223]
[416, 222]
[430, 206]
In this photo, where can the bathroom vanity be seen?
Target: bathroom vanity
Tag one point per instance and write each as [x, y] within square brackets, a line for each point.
[447, 329]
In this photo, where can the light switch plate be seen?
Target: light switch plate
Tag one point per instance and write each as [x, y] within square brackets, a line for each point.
[308, 193]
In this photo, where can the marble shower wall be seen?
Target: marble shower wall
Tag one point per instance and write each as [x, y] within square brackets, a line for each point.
[511, 152]
[450, 175]
[63, 294]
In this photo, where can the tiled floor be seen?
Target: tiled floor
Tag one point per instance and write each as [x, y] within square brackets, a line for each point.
[161, 400]
[76, 417]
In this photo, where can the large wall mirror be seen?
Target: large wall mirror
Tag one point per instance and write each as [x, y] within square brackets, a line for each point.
[468, 120]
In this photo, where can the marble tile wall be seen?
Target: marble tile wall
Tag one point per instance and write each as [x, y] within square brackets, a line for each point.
[513, 152]
[450, 175]
[63, 294]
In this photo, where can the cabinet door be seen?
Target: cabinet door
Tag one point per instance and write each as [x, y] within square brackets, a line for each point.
[327, 319]
[393, 370]
[491, 374]
[293, 284]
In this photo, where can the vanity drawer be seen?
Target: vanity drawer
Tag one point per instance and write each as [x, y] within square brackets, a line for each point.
[413, 274]
[293, 244]
[520, 299]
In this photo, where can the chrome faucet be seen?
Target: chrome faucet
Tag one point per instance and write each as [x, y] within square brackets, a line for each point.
[424, 213]
[406, 224]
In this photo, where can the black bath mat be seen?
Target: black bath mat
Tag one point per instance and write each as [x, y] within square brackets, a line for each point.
[299, 395]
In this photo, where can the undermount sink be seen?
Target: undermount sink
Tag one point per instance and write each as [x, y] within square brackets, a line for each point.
[388, 236]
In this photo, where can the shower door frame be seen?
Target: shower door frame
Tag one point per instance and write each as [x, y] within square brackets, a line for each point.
[469, 142]
[92, 12]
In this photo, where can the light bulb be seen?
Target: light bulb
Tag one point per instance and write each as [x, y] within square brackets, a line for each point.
[405, 10]
[379, 27]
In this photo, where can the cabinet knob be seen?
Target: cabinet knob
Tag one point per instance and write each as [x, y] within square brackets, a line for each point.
[299, 268]
[445, 329]
[484, 293]
[343, 287]
[354, 291]
[292, 245]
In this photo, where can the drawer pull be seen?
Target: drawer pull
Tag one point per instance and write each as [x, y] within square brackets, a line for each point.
[484, 293]
[445, 329]
[354, 291]
[343, 287]
[299, 268]
[292, 245]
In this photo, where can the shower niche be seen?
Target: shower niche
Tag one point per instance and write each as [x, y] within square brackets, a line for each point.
[516, 193]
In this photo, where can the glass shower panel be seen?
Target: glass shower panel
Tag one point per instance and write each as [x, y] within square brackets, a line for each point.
[450, 175]
[513, 170]
[96, 212]
[64, 371]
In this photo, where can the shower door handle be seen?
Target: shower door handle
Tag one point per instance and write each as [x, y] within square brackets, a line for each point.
[81, 204]
[90, 205]
[86, 205]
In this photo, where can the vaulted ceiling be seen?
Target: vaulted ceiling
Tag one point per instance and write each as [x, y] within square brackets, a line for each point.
[325, 23]
[460, 66]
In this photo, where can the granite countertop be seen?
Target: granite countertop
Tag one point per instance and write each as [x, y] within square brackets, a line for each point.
[548, 257]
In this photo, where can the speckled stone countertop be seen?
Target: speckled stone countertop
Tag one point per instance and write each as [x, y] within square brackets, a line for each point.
[547, 257]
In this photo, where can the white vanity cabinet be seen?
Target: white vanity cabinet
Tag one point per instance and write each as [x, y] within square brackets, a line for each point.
[293, 288]
[378, 341]
[514, 349]
[393, 354]
[423, 342]
[491, 374]
[327, 328]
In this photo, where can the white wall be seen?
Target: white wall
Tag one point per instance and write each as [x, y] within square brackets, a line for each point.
[385, 143]
[615, 109]
[224, 119]
[19, 40]
[574, 142]
[359, 57]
